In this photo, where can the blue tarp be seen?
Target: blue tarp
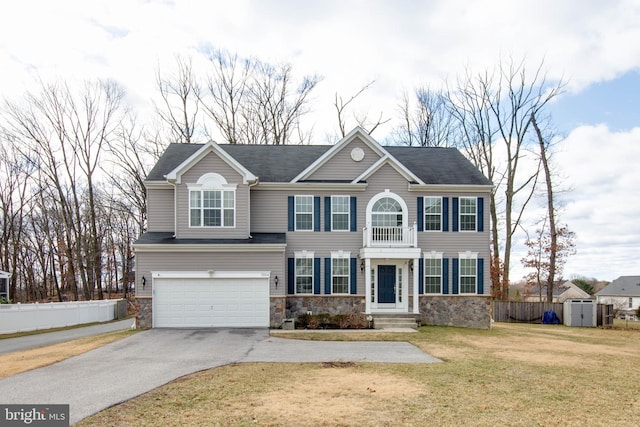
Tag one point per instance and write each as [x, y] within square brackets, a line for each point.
[550, 318]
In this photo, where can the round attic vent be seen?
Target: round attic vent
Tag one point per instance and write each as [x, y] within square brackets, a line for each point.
[357, 154]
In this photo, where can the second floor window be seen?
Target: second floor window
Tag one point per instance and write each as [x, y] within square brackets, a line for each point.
[304, 213]
[433, 213]
[340, 213]
[468, 213]
[212, 208]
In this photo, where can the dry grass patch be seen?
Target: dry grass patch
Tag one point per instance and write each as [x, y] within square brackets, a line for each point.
[26, 360]
[516, 375]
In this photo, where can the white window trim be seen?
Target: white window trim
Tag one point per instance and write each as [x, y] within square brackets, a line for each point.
[212, 182]
[348, 213]
[387, 193]
[460, 214]
[303, 255]
[466, 256]
[295, 212]
[424, 214]
[430, 256]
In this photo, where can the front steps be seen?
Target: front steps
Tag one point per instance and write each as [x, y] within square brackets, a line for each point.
[395, 321]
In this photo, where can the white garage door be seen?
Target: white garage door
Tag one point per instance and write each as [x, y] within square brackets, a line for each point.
[210, 302]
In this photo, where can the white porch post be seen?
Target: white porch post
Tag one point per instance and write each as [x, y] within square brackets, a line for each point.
[367, 285]
[416, 296]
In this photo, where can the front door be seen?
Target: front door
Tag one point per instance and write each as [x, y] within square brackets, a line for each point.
[386, 284]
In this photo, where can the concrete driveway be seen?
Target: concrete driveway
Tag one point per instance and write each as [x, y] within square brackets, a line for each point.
[127, 368]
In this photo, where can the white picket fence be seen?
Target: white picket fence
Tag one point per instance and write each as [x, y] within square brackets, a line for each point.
[31, 317]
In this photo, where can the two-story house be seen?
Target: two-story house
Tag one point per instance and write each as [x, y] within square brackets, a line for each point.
[251, 235]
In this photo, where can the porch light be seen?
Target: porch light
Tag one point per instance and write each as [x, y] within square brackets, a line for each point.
[144, 282]
[362, 266]
[276, 280]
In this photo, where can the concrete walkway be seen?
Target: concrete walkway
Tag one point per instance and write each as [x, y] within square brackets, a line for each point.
[9, 345]
[119, 371]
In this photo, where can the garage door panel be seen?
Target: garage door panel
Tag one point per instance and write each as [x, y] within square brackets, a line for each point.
[211, 302]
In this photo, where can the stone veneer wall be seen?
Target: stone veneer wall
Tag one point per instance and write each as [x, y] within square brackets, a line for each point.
[463, 311]
[343, 304]
[144, 319]
[277, 311]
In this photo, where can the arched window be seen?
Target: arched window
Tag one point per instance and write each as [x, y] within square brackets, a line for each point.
[386, 212]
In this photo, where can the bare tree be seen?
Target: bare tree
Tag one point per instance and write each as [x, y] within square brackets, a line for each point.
[427, 124]
[341, 107]
[179, 109]
[496, 109]
[253, 102]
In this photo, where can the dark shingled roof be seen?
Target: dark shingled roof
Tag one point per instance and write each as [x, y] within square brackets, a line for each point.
[282, 163]
[623, 286]
[155, 237]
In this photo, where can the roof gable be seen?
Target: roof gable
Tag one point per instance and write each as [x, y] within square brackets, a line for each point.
[356, 133]
[210, 147]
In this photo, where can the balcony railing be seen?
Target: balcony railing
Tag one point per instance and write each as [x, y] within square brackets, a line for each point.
[389, 237]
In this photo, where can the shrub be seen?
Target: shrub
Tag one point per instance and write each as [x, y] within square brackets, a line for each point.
[328, 321]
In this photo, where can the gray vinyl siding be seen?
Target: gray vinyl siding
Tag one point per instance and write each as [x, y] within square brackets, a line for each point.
[342, 167]
[160, 212]
[212, 163]
[269, 214]
[204, 261]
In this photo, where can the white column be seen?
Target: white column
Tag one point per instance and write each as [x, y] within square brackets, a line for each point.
[416, 296]
[367, 285]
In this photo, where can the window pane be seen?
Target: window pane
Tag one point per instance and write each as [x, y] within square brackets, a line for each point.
[340, 222]
[433, 275]
[304, 275]
[229, 201]
[211, 218]
[194, 218]
[387, 204]
[340, 213]
[340, 285]
[433, 213]
[228, 218]
[211, 199]
[304, 212]
[195, 199]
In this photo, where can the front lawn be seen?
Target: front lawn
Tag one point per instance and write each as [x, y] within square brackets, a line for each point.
[513, 375]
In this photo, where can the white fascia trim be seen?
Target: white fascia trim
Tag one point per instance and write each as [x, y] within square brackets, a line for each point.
[211, 146]
[357, 131]
[390, 253]
[300, 186]
[210, 274]
[390, 160]
[251, 248]
[450, 188]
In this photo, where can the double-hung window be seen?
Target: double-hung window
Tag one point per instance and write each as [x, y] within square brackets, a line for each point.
[304, 275]
[433, 213]
[340, 275]
[304, 213]
[433, 275]
[212, 202]
[340, 213]
[468, 275]
[468, 211]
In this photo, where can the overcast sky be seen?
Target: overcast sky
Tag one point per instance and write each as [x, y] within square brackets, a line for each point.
[593, 45]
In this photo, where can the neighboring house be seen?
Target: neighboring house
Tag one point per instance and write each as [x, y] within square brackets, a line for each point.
[251, 235]
[623, 293]
[561, 292]
[4, 285]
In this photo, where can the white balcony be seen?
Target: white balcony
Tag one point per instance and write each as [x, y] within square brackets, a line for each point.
[390, 237]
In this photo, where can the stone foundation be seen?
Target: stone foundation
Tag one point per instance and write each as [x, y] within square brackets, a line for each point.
[462, 311]
[277, 311]
[144, 319]
[343, 304]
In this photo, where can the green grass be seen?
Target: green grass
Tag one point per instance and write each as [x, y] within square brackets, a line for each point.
[516, 375]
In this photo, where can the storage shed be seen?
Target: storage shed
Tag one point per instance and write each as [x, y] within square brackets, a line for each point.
[580, 312]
